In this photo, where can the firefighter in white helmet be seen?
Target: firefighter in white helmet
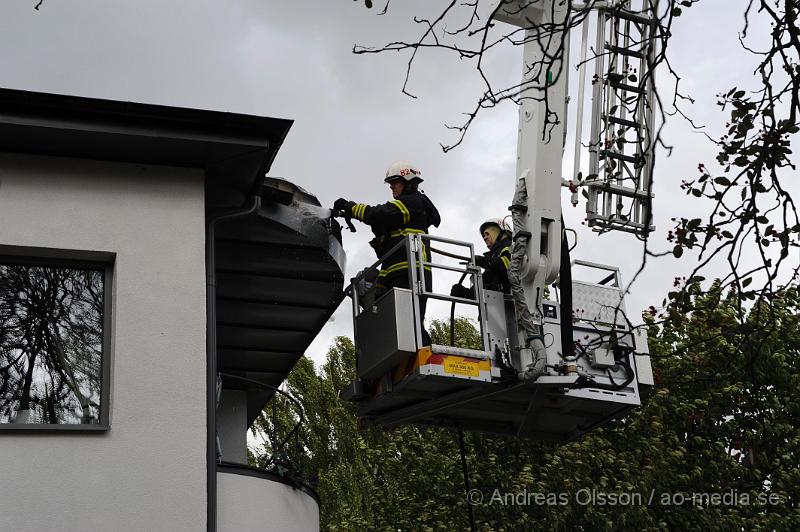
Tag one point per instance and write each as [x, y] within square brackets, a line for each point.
[410, 211]
[496, 235]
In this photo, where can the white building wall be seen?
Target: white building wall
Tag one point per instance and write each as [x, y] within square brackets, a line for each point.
[148, 472]
[251, 504]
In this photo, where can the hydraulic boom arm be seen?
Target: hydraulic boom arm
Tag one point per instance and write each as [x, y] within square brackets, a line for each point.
[536, 209]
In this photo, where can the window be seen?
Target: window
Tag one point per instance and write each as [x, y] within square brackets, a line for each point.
[54, 349]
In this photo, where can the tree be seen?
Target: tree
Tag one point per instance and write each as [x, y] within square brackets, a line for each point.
[51, 332]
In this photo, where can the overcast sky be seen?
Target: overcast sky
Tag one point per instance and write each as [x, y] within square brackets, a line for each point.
[292, 59]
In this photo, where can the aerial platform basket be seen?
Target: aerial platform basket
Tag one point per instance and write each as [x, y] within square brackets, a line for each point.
[404, 382]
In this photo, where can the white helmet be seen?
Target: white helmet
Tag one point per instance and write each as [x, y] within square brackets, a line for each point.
[403, 170]
[499, 222]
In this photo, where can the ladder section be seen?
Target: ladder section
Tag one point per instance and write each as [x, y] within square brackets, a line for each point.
[623, 105]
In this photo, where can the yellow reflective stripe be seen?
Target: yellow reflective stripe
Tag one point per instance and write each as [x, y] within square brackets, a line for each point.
[400, 205]
[505, 260]
[405, 232]
[404, 264]
[399, 266]
[358, 211]
[393, 268]
[406, 214]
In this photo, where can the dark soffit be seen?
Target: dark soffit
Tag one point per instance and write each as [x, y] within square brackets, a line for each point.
[73, 126]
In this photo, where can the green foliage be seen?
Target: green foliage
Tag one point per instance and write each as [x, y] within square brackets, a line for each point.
[465, 333]
[722, 419]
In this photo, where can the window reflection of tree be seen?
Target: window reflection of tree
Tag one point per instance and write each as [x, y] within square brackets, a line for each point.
[51, 338]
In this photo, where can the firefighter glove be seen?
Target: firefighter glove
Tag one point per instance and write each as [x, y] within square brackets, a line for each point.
[461, 291]
[482, 261]
[342, 204]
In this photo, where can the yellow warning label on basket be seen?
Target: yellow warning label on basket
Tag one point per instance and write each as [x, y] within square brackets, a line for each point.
[461, 366]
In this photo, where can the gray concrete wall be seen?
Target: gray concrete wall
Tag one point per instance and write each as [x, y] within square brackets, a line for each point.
[148, 472]
[231, 426]
[250, 504]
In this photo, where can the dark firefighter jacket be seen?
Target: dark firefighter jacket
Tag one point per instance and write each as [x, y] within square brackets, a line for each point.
[495, 263]
[411, 212]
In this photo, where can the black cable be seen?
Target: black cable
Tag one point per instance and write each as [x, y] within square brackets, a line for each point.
[619, 352]
[565, 285]
[453, 314]
[621, 356]
[452, 324]
[467, 486]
